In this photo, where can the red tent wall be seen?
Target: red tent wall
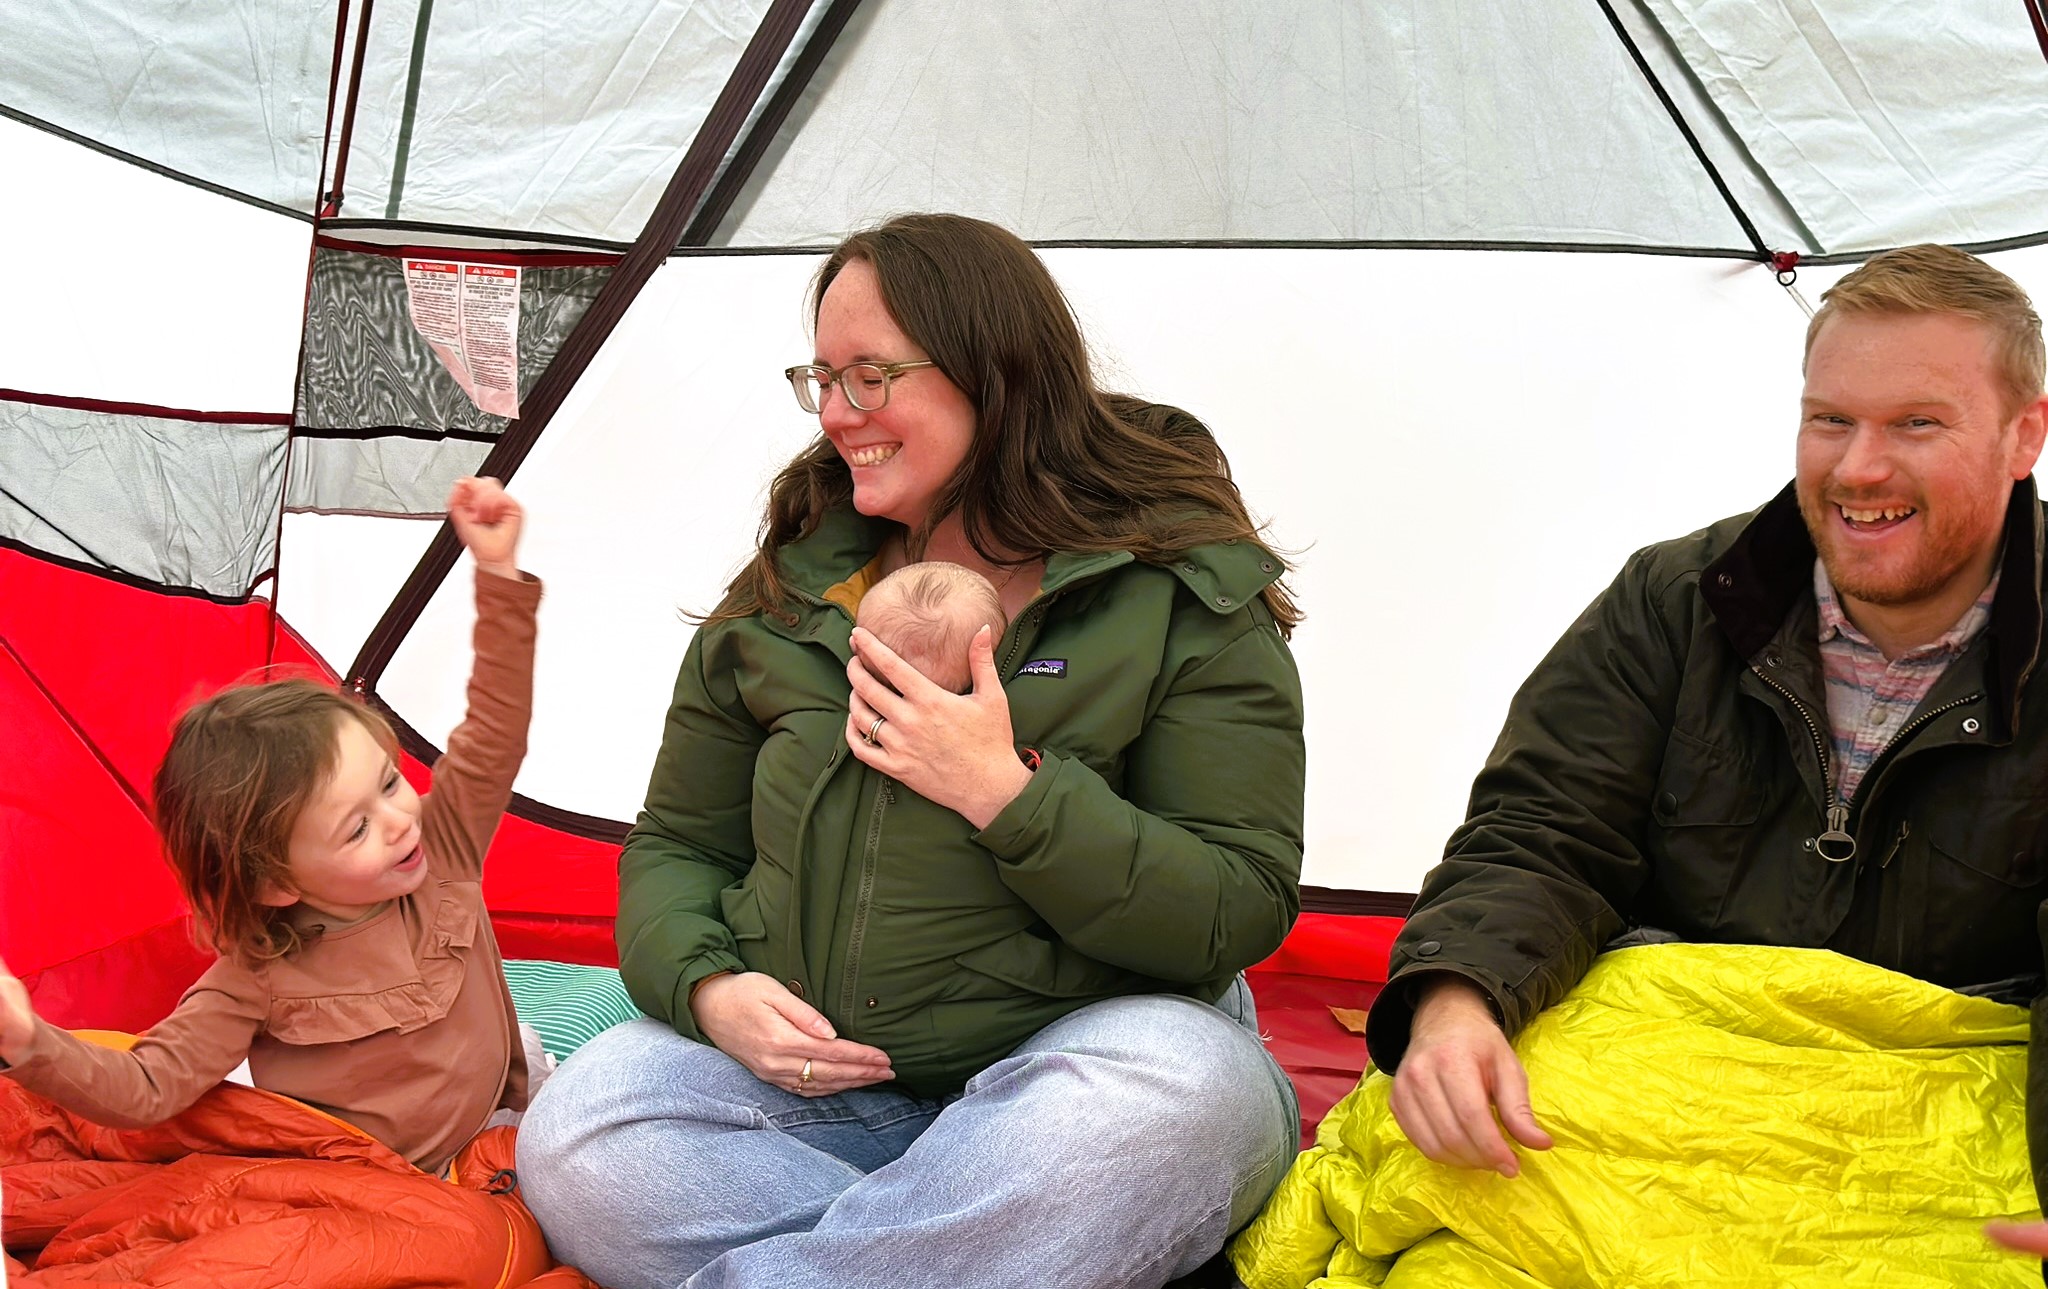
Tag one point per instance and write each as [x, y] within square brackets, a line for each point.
[93, 672]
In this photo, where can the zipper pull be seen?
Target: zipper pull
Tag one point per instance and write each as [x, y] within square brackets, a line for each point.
[1835, 845]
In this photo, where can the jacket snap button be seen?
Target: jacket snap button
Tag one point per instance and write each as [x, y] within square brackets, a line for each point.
[797, 987]
[1189, 568]
[1265, 566]
[1971, 725]
[1230, 541]
[1428, 949]
[1723, 581]
[873, 1001]
[1667, 803]
[1222, 601]
[1773, 658]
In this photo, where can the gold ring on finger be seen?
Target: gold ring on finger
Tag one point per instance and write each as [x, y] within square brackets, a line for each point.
[803, 1080]
[876, 728]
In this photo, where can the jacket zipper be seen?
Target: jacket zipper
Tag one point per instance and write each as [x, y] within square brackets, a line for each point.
[1837, 836]
[856, 937]
[1030, 620]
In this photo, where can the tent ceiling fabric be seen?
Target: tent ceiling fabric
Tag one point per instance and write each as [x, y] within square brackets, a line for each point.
[550, 118]
[1835, 124]
[1874, 140]
[230, 92]
[1221, 119]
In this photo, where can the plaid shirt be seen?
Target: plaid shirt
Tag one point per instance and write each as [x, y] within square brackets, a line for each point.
[1870, 699]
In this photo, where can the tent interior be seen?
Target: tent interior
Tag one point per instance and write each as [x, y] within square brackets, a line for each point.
[1476, 300]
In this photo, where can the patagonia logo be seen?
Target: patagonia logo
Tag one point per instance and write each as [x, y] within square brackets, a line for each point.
[1044, 667]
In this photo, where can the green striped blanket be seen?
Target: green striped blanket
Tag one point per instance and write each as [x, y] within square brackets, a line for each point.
[568, 1005]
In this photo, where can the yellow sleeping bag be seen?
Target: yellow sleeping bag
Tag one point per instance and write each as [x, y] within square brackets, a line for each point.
[1724, 1115]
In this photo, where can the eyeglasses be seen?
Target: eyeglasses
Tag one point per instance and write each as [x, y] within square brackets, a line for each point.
[866, 385]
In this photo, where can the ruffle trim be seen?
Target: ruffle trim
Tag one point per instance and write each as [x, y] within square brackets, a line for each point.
[401, 1008]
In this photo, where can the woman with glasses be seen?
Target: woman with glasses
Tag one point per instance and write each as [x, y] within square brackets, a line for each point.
[943, 989]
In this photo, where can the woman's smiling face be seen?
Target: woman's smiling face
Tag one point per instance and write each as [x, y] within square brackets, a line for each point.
[903, 455]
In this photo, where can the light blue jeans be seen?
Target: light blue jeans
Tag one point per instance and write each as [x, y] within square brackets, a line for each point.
[1118, 1146]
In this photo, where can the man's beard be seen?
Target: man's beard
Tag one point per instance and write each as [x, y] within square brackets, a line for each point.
[1944, 548]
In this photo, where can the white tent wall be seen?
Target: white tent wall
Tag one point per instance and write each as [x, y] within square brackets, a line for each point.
[206, 318]
[1463, 447]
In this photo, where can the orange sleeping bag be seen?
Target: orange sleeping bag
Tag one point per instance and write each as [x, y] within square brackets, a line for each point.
[250, 1190]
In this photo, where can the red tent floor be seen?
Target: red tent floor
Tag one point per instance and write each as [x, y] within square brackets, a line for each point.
[1322, 1057]
[1329, 960]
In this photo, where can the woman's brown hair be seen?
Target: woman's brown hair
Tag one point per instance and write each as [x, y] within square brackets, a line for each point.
[1056, 464]
[240, 768]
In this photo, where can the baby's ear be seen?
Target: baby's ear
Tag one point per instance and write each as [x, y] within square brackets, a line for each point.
[271, 895]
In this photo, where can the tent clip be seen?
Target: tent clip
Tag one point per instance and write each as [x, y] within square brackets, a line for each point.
[1786, 265]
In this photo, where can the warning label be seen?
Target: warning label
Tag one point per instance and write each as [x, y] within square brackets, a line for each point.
[469, 315]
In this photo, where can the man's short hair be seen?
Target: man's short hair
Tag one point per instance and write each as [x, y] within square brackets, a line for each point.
[1941, 279]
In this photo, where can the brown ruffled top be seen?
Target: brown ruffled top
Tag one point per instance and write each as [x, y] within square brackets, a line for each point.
[400, 1024]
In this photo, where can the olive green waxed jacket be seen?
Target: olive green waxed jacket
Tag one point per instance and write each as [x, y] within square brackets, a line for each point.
[1666, 767]
[1157, 847]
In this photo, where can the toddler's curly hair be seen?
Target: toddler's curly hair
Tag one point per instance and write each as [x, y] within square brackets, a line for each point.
[241, 767]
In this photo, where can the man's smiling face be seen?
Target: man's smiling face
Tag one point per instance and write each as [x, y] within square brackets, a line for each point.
[1907, 454]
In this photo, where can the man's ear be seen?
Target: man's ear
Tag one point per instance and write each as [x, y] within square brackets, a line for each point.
[2033, 427]
[271, 895]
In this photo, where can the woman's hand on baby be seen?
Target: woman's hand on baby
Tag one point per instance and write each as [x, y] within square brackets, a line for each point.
[955, 749]
[17, 1019]
[757, 1021]
[487, 521]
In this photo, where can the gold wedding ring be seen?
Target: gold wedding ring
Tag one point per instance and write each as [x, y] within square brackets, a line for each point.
[803, 1080]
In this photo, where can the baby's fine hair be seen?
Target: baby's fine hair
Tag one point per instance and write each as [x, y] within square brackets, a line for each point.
[241, 767]
[932, 610]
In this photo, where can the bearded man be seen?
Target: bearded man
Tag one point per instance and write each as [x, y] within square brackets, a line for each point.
[1817, 725]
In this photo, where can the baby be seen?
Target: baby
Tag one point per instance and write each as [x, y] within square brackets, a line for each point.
[358, 972]
[928, 614]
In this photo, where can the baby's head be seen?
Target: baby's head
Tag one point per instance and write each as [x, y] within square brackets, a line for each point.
[275, 793]
[928, 614]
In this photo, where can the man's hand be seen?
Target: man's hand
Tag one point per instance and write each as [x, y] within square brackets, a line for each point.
[1458, 1070]
[2027, 1237]
[17, 1019]
[487, 521]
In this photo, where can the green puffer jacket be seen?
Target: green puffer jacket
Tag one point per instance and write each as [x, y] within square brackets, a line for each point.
[1156, 849]
[1666, 767]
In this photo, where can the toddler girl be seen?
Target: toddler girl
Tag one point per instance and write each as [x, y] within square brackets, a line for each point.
[358, 972]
